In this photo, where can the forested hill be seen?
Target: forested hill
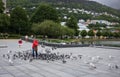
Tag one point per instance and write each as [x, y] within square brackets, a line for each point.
[81, 4]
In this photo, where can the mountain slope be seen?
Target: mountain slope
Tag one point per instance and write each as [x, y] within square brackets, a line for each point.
[85, 4]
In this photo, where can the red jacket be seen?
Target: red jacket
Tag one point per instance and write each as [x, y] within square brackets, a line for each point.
[35, 43]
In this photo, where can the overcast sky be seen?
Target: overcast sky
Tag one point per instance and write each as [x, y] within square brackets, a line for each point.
[111, 3]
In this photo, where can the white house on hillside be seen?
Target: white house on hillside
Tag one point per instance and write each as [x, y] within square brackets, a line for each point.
[80, 25]
[100, 21]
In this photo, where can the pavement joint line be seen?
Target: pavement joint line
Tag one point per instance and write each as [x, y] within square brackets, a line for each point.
[5, 61]
[61, 66]
[4, 72]
[14, 70]
[78, 66]
[8, 72]
[57, 63]
[58, 71]
[33, 71]
[69, 66]
[45, 70]
[49, 67]
[27, 73]
[85, 67]
[23, 71]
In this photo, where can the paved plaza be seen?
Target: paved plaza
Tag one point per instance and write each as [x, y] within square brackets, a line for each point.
[72, 68]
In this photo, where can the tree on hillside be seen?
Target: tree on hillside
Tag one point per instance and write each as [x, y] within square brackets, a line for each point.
[83, 33]
[98, 34]
[47, 28]
[1, 6]
[116, 35]
[44, 12]
[72, 23]
[68, 31]
[19, 21]
[108, 18]
[91, 33]
[4, 23]
[51, 29]
[105, 34]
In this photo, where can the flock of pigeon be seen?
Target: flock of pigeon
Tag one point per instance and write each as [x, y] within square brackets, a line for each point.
[49, 56]
[93, 61]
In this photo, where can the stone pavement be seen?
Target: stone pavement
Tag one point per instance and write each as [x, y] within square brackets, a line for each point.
[72, 68]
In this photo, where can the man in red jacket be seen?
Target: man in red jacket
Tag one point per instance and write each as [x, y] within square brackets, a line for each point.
[35, 47]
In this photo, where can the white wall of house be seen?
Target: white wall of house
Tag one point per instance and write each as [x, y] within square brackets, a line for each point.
[81, 25]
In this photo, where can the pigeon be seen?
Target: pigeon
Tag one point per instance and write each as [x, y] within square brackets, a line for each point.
[99, 58]
[80, 56]
[110, 57]
[43, 46]
[58, 53]
[92, 66]
[110, 66]
[47, 50]
[116, 66]
[74, 58]
[10, 61]
[86, 62]
[94, 59]
[30, 60]
[8, 56]
[3, 55]
[64, 61]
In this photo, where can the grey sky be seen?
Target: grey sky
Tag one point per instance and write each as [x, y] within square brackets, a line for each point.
[111, 3]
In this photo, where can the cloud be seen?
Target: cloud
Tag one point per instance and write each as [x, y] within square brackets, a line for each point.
[111, 3]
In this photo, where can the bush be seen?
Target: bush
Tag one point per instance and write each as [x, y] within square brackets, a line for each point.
[14, 36]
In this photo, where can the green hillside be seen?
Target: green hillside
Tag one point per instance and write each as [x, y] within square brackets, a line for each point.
[92, 6]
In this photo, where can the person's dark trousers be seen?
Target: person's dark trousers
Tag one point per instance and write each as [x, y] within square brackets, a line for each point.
[36, 53]
[33, 52]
